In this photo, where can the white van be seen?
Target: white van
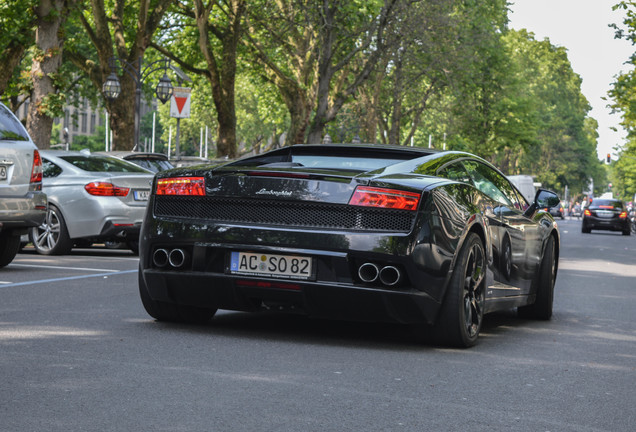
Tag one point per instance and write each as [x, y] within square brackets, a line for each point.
[525, 184]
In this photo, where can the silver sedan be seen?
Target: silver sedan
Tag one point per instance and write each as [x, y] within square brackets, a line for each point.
[92, 198]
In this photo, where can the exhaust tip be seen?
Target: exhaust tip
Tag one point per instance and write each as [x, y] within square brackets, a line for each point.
[390, 275]
[177, 258]
[160, 258]
[368, 272]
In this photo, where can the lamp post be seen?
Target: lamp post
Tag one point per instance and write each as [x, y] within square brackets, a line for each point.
[112, 87]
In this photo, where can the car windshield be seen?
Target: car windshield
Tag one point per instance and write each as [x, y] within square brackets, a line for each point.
[102, 164]
[10, 128]
[606, 204]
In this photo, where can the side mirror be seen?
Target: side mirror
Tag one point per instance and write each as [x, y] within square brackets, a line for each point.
[546, 199]
[542, 199]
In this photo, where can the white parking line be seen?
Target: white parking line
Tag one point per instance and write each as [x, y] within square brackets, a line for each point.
[63, 268]
[67, 278]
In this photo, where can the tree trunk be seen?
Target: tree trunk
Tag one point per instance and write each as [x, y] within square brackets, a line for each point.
[122, 115]
[299, 108]
[46, 62]
[222, 74]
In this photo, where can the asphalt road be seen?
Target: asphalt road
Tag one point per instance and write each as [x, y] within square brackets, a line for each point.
[79, 353]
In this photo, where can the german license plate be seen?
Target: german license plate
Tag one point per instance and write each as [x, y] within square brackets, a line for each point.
[604, 214]
[141, 195]
[3, 172]
[270, 265]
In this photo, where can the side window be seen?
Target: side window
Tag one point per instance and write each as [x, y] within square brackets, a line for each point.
[521, 202]
[49, 169]
[456, 172]
[492, 183]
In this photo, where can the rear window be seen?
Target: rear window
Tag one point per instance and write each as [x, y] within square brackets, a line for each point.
[343, 163]
[10, 128]
[604, 203]
[102, 164]
[333, 157]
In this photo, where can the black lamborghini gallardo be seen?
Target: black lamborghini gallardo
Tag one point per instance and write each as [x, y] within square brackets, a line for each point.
[371, 233]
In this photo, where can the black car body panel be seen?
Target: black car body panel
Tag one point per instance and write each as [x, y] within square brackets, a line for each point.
[278, 204]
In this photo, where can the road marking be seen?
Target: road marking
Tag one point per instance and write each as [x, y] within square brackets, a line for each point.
[66, 278]
[64, 268]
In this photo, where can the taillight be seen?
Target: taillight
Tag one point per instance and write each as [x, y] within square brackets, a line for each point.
[36, 171]
[587, 212]
[385, 198]
[623, 215]
[193, 186]
[105, 189]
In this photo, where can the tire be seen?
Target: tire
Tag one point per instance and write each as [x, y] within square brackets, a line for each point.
[51, 238]
[506, 259]
[133, 245]
[627, 232]
[585, 230]
[541, 309]
[162, 311]
[460, 318]
[9, 247]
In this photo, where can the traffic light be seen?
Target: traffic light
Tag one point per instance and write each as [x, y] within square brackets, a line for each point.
[609, 158]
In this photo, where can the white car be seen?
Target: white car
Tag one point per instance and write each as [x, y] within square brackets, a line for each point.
[92, 198]
[22, 202]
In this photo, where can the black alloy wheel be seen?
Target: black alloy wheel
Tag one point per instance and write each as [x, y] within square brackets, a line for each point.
[506, 259]
[462, 313]
[541, 309]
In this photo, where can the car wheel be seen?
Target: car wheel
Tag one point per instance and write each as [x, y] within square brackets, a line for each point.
[542, 307]
[506, 259]
[51, 238]
[9, 247]
[133, 245]
[462, 312]
[585, 230]
[163, 311]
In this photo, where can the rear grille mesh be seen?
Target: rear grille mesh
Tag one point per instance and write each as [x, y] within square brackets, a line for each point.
[282, 213]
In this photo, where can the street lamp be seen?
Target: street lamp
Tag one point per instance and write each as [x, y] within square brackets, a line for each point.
[112, 86]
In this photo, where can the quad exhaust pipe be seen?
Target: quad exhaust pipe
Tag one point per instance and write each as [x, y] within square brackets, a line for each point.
[389, 275]
[368, 272]
[175, 258]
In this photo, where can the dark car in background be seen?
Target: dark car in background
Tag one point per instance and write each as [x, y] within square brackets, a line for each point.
[557, 211]
[22, 202]
[606, 214]
[92, 198]
[154, 162]
[366, 233]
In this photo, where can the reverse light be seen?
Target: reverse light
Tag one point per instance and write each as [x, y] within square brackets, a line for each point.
[192, 186]
[105, 189]
[385, 198]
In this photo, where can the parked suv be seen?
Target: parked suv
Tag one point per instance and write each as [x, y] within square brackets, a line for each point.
[22, 202]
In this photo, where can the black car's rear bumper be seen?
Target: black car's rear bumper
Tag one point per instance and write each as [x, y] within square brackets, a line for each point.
[320, 300]
[608, 224]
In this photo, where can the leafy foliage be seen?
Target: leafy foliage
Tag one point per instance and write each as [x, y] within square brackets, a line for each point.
[623, 95]
[403, 72]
